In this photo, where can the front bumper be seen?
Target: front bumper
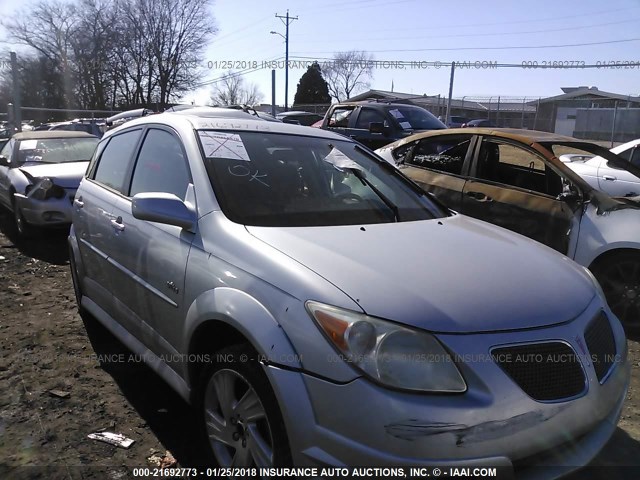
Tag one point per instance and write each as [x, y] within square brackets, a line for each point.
[52, 212]
[493, 424]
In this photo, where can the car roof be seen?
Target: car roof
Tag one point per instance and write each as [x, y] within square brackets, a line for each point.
[524, 136]
[626, 146]
[296, 112]
[214, 118]
[380, 104]
[34, 135]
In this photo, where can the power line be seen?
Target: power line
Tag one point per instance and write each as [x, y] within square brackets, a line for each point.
[500, 34]
[239, 30]
[519, 47]
[530, 66]
[510, 22]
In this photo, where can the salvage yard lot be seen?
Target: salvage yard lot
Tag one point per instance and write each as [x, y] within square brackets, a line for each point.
[62, 378]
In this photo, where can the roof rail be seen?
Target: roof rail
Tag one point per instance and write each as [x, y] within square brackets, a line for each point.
[130, 114]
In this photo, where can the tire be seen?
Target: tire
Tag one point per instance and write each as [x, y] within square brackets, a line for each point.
[75, 280]
[619, 277]
[23, 229]
[241, 420]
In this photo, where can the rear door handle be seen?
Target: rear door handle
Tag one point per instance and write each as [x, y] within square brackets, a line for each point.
[117, 224]
[609, 177]
[479, 196]
[78, 202]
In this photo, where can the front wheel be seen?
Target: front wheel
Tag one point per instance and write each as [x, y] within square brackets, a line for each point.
[242, 420]
[23, 229]
[619, 277]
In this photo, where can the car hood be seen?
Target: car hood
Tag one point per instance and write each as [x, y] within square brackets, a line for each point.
[452, 275]
[66, 175]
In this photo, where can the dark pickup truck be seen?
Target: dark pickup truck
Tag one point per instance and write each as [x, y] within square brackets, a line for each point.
[376, 124]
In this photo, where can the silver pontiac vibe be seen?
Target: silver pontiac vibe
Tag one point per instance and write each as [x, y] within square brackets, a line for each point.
[318, 308]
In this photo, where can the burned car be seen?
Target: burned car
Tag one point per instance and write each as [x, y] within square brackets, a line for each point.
[39, 174]
[513, 178]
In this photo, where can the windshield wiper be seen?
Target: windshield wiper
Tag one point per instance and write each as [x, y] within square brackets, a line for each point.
[359, 174]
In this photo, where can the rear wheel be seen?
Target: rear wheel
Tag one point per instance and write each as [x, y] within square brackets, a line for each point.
[242, 420]
[619, 277]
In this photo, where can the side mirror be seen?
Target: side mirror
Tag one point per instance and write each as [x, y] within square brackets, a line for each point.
[570, 194]
[163, 208]
[4, 161]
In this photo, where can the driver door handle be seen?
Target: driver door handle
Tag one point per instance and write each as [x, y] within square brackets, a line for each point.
[609, 177]
[117, 224]
[78, 202]
[479, 196]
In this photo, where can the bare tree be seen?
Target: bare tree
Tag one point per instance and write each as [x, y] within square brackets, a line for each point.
[232, 90]
[93, 45]
[178, 31]
[109, 52]
[347, 73]
[48, 28]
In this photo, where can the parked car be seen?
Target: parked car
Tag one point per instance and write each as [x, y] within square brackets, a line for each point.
[375, 124]
[514, 179]
[615, 180]
[318, 308]
[303, 118]
[456, 122]
[39, 174]
[92, 126]
[478, 123]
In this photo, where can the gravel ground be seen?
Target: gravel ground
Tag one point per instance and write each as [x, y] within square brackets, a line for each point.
[62, 378]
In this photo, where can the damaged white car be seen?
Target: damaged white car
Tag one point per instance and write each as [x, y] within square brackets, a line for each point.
[39, 176]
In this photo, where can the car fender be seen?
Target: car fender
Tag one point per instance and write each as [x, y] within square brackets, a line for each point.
[247, 315]
[615, 230]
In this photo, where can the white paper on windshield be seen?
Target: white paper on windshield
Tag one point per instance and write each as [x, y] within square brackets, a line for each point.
[340, 160]
[28, 144]
[223, 145]
[406, 125]
[396, 113]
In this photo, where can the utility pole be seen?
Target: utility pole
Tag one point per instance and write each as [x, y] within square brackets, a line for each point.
[17, 112]
[273, 93]
[448, 118]
[286, 19]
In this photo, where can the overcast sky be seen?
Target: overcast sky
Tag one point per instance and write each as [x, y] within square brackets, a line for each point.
[502, 31]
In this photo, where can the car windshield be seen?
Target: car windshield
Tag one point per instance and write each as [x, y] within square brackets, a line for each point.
[56, 150]
[415, 118]
[284, 180]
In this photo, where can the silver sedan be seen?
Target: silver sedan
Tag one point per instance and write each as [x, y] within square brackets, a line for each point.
[39, 175]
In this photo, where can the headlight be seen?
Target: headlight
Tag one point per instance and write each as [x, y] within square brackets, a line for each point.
[387, 353]
[43, 189]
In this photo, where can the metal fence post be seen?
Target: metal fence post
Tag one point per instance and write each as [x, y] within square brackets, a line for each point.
[613, 125]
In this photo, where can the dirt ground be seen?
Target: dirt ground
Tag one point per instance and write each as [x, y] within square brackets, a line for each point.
[56, 387]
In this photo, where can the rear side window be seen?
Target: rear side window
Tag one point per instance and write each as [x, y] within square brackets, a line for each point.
[442, 154]
[161, 166]
[340, 117]
[368, 116]
[115, 159]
